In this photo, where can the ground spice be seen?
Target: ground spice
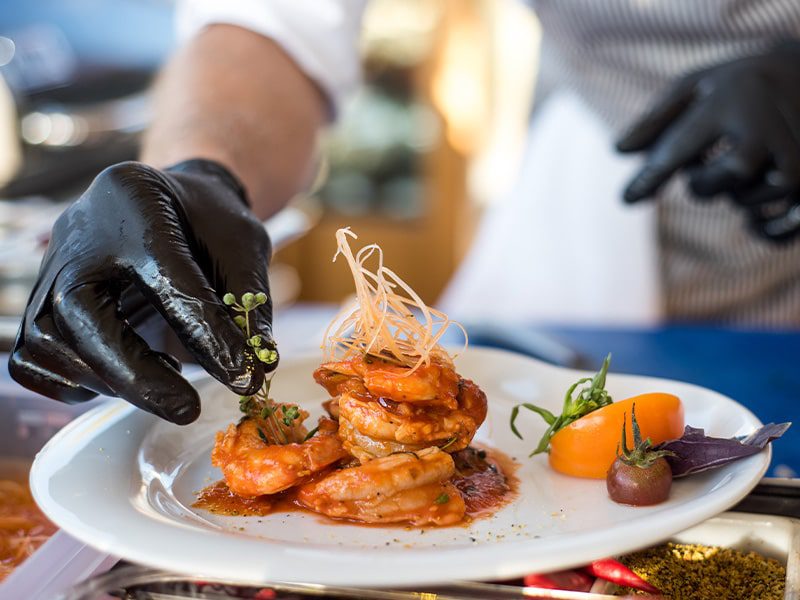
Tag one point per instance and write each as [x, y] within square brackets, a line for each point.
[692, 571]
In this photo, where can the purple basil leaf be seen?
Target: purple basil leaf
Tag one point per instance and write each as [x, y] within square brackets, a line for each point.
[764, 435]
[696, 452]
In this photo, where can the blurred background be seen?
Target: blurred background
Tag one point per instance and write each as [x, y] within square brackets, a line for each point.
[432, 138]
[433, 135]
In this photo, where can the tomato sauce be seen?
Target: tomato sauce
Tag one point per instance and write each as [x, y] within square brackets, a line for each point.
[218, 499]
[485, 478]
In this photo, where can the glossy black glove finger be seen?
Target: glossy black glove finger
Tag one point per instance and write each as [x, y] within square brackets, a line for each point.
[784, 143]
[683, 143]
[202, 322]
[733, 169]
[28, 372]
[167, 272]
[780, 229]
[652, 124]
[754, 99]
[135, 306]
[41, 360]
[43, 343]
[86, 316]
[204, 325]
[243, 266]
[770, 188]
[134, 230]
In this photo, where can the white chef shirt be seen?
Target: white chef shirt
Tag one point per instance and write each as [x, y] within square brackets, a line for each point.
[604, 62]
[321, 36]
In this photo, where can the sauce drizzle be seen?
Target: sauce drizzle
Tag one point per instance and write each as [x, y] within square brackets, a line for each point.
[485, 478]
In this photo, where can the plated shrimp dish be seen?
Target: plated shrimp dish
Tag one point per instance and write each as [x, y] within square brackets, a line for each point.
[395, 444]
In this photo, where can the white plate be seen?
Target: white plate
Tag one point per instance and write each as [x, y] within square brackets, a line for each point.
[124, 481]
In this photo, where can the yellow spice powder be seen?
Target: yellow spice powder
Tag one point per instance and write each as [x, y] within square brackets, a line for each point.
[696, 572]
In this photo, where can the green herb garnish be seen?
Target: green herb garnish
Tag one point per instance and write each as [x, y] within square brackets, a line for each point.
[442, 499]
[448, 443]
[260, 405]
[311, 433]
[263, 436]
[290, 413]
[588, 399]
[248, 303]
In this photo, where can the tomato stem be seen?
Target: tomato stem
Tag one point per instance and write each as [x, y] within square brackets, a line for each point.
[588, 399]
[642, 454]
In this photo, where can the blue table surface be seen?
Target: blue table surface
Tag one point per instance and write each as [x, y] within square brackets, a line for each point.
[761, 370]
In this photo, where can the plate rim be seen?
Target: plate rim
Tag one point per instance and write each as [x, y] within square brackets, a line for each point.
[481, 565]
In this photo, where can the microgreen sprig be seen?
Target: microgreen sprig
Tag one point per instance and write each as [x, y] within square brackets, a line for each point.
[260, 405]
[588, 399]
[248, 303]
[448, 443]
[642, 454]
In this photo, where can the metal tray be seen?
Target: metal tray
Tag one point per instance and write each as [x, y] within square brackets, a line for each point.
[772, 536]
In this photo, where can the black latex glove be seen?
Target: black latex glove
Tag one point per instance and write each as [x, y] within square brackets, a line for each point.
[772, 206]
[177, 240]
[735, 129]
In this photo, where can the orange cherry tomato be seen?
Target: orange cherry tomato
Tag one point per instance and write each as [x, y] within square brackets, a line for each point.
[588, 446]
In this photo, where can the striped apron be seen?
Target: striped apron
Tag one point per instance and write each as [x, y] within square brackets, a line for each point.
[613, 58]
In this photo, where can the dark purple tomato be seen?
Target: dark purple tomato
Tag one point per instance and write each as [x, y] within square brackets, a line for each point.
[639, 486]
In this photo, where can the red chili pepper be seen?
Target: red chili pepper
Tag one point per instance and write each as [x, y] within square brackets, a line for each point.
[574, 581]
[265, 594]
[614, 571]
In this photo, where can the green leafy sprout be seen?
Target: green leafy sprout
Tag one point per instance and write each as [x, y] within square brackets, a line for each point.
[260, 404]
[248, 303]
[642, 454]
[448, 443]
[588, 399]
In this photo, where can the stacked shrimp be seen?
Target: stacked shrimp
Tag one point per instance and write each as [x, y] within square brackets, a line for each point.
[397, 410]
[383, 457]
[401, 427]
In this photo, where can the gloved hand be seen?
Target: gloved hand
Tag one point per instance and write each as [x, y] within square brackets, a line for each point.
[735, 129]
[177, 240]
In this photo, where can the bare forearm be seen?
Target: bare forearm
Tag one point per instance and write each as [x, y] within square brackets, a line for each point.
[235, 97]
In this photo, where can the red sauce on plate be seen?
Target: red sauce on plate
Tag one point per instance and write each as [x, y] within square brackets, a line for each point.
[218, 499]
[485, 478]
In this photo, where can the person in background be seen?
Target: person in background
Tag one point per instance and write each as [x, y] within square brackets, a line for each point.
[233, 139]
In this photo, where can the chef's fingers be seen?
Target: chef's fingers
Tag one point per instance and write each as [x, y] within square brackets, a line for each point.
[770, 188]
[44, 344]
[781, 228]
[783, 140]
[731, 170]
[176, 286]
[27, 371]
[41, 360]
[682, 144]
[87, 317]
[668, 107]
